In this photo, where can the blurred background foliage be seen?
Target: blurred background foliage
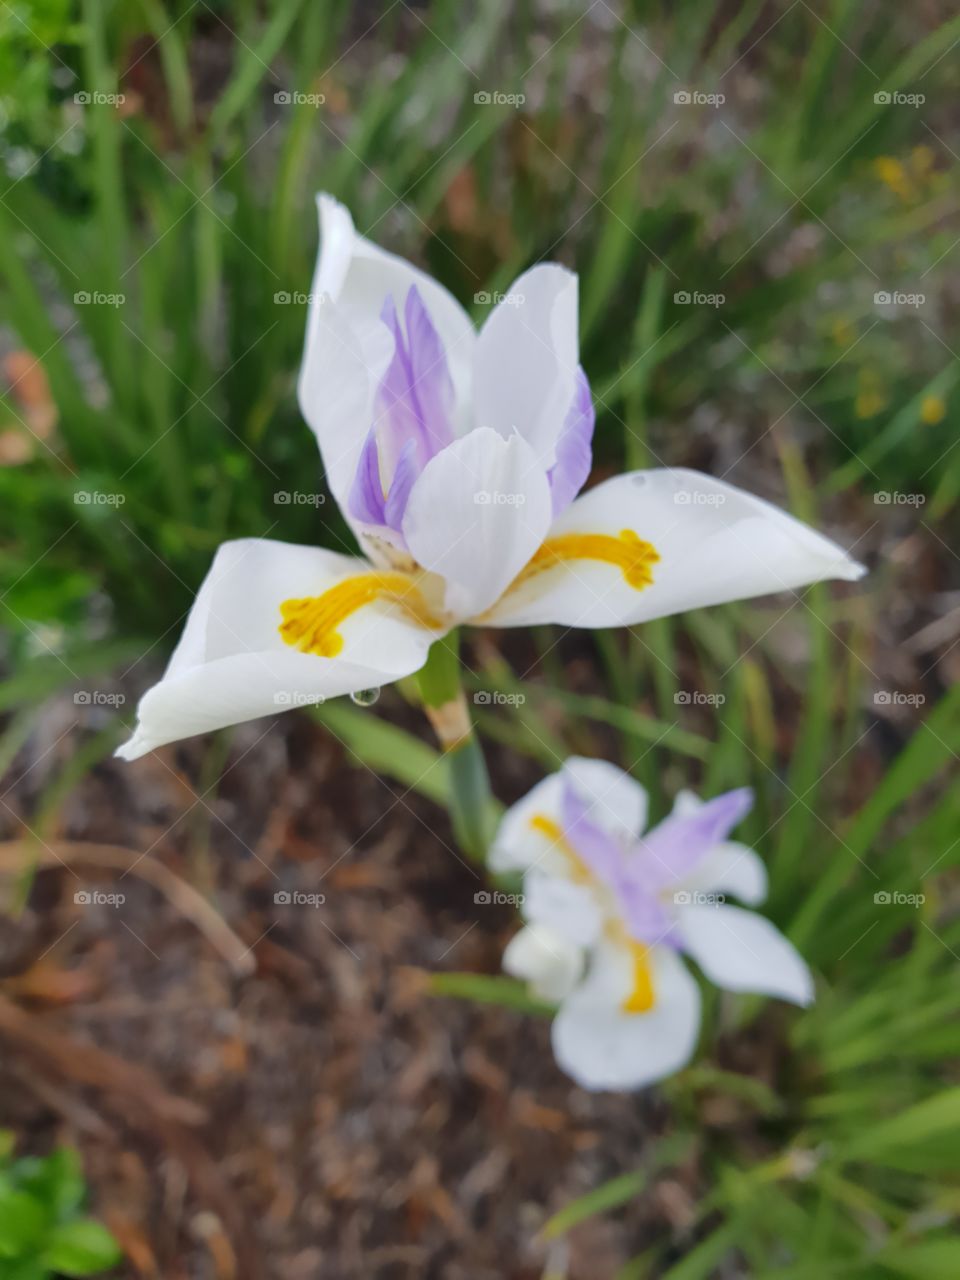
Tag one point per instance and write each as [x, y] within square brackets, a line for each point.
[165, 157]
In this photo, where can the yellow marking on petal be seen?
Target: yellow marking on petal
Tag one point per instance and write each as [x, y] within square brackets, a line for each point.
[626, 551]
[545, 826]
[311, 624]
[641, 998]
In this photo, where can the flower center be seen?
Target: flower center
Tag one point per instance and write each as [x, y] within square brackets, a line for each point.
[311, 623]
[641, 998]
[626, 550]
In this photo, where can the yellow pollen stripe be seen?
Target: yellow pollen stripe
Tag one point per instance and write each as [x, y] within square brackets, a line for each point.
[547, 827]
[626, 550]
[641, 998]
[310, 624]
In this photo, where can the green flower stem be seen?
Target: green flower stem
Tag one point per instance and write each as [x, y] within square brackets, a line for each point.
[471, 805]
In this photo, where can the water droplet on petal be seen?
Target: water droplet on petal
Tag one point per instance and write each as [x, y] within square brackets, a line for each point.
[365, 697]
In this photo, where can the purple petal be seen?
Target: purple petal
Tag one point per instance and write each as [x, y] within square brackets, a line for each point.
[674, 848]
[574, 454]
[432, 383]
[365, 501]
[597, 847]
[415, 398]
[405, 476]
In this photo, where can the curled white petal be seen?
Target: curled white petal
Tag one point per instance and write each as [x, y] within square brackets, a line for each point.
[550, 962]
[233, 665]
[742, 951]
[710, 543]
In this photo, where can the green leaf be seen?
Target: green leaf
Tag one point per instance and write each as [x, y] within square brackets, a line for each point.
[489, 989]
[23, 1219]
[81, 1248]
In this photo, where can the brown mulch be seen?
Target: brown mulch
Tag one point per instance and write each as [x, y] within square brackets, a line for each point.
[324, 1116]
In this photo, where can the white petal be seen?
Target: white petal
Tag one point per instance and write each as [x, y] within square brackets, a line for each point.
[741, 951]
[526, 359]
[548, 961]
[519, 843]
[232, 664]
[731, 868]
[715, 543]
[568, 909]
[618, 803]
[602, 1047]
[476, 515]
[348, 346]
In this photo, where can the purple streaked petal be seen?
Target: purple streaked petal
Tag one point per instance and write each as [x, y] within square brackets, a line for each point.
[432, 383]
[674, 848]
[596, 847]
[365, 501]
[405, 476]
[415, 398]
[574, 455]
